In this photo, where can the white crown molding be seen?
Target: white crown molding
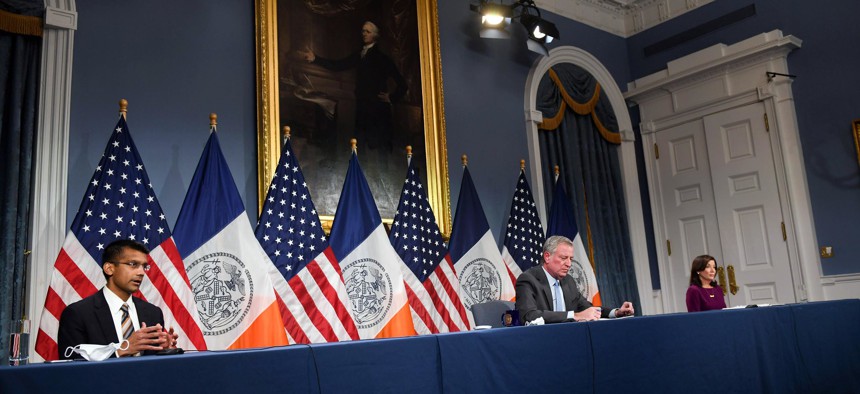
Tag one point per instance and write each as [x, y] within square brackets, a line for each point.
[620, 17]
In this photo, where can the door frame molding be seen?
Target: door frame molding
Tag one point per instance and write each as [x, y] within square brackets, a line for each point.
[722, 77]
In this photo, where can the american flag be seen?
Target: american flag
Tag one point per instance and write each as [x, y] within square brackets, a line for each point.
[434, 289]
[120, 204]
[524, 234]
[308, 280]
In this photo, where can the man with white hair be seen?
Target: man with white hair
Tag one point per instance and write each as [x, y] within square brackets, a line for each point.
[373, 99]
[549, 292]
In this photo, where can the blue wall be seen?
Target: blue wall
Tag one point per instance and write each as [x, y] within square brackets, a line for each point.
[177, 61]
[825, 93]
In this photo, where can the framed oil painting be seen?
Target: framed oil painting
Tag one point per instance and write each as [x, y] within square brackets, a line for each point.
[333, 70]
[855, 129]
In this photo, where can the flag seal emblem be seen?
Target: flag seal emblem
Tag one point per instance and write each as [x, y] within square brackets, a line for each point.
[223, 291]
[368, 287]
[579, 276]
[480, 281]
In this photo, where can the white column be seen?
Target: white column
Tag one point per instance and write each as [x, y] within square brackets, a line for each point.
[50, 164]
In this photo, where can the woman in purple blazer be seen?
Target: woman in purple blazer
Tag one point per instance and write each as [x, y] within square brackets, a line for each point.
[704, 294]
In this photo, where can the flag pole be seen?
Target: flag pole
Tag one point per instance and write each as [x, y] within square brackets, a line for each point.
[123, 108]
[286, 133]
[353, 143]
[588, 229]
[522, 165]
[465, 160]
[408, 155]
[213, 122]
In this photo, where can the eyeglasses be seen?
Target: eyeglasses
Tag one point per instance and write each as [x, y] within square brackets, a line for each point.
[134, 265]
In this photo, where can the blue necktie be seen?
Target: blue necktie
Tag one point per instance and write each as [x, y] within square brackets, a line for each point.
[556, 293]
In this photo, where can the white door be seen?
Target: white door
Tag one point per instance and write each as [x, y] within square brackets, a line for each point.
[690, 215]
[720, 197]
[755, 254]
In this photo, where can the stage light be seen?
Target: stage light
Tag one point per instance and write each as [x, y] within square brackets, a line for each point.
[540, 32]
[495, 14]
[538, 28]
[496, 17]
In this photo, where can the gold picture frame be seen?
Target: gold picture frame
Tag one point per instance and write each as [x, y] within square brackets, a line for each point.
[856, 131]
[269, 108]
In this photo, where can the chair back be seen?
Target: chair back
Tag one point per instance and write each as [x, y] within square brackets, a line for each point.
[490, 313]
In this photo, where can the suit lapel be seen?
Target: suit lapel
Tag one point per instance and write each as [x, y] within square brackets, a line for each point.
[142, 315]
[571, 292]
[568, 292]
[103, 315]
[545, 287]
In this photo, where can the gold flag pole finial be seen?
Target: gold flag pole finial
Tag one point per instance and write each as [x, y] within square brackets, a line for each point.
[123, 108]
[465, 160]
[354, 144]
[213, 121]
[556, 171]
[286, 130]
[409, 151]
[522, 165]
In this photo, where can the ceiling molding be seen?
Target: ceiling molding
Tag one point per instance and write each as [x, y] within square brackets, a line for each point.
[620, 17]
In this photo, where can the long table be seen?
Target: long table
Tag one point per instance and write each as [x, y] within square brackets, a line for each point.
[810, 347]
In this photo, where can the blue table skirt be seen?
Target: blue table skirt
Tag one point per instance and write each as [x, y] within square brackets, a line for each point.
[799, 348]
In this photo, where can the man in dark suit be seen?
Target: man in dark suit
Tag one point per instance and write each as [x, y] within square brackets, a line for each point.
[548, 291]
[112, 315]
[374, 70]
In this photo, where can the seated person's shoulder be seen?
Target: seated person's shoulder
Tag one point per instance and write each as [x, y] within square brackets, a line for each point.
[532, 272]
[80, 305]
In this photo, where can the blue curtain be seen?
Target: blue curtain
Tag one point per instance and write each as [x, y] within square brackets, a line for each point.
[591, 173]
[20, 54]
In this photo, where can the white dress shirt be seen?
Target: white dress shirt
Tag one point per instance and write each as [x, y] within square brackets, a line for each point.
[115, 305]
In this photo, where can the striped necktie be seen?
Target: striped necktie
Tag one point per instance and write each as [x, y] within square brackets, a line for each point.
[127, 327]
[556, 295]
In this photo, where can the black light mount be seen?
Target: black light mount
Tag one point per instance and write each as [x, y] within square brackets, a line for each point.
[771, 75]
[496, 17]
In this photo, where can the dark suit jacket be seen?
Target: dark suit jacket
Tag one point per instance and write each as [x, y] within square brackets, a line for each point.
[373, 117]
[89, 321]
[534, 297]
[372, 73]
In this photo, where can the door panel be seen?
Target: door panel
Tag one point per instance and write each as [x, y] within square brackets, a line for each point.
[747, 205]
[688, 203]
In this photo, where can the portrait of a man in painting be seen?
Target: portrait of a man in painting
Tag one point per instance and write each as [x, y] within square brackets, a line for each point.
[351, 69]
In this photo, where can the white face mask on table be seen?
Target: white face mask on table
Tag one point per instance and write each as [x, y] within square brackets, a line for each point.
[96, 352]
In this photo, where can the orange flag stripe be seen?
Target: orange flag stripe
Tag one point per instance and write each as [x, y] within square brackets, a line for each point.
[400, 325]
[267, 330]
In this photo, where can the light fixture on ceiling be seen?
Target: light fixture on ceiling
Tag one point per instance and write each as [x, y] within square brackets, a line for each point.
[496, 17]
